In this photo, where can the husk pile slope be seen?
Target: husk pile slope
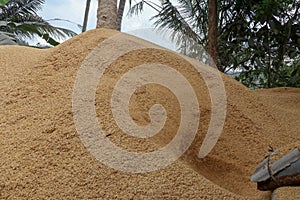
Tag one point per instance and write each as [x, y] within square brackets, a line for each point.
[43, 157]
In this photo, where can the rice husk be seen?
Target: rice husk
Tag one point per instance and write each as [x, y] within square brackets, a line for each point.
[42, 155]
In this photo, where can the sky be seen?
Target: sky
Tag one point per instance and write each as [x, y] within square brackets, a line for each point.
[73, 10]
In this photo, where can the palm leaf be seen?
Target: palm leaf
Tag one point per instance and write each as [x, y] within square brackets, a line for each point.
[184, 22]
[19, 17]
[139, 6]
[136, 9]
[3, 2]
[176, 19]
[21, 7]
[65, 20]
[7, 39]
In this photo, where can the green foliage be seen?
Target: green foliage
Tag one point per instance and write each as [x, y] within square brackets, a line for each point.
[271, 29]
[260, 40]
[287, 76]
[19, 21]
[3, 2]
[7, 39]
[187, 22]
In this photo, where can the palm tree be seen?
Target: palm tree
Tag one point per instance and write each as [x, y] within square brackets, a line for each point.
[107, 14]
[120, 13]
[191, 25]
[19, 21]
[3, 2]
[86, 15]
[188, 23]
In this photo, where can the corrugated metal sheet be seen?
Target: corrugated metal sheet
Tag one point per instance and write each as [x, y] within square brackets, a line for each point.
[287, 165]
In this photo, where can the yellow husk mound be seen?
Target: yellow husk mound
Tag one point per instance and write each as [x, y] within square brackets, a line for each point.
[43, 157]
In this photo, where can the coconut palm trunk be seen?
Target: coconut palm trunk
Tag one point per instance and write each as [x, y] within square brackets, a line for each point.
[107, 14]
[86, 15]
[120, 13]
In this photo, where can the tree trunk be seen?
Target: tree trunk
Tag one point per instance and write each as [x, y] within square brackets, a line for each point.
[213, 30]
[107, 14]
[120, 13]
[86, 15]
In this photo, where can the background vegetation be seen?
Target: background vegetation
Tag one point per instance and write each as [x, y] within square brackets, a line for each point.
[19, 22]
[256, 41]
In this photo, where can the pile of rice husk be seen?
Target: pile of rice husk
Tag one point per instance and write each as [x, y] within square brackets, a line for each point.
[43, 157]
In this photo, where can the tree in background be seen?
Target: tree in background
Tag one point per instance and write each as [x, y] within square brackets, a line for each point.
[3, 2]
[188, 22]
[259, 40]
[86, 15]
[19, 21]
[271, 51]
[212, 43]
[109, 15]
[120, 13]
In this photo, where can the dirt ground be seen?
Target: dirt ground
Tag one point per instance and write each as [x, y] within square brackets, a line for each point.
[42, 156]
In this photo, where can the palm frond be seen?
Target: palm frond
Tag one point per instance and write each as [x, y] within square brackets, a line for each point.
[3, 2]
[30, 29]
[135, 9]
[65, 20]
[21, 7]
[139, 6]
[19, 17]
[7, 39]
[172, 18]
[185, 22]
